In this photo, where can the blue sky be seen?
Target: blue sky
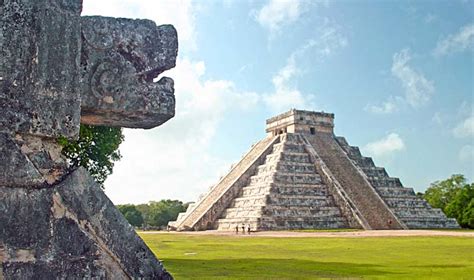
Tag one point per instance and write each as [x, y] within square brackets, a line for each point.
[397, 74]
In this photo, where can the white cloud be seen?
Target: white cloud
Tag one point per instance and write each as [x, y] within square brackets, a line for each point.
[418, 89]
[465, 128]
[277, 13]
[385, 147]
[462, 40]
[437, 118]
[387, 107]
[180, 13]
[175, 159]
[286, 94]
[429, 18]
[467, 153]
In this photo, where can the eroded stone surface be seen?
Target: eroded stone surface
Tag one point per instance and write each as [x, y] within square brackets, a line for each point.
[16, 168]
[70, 230]
[119, 60]
[39, 73]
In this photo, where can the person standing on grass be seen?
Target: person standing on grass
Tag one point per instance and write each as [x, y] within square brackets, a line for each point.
[236, 229]
[248, 228]
[243, 228]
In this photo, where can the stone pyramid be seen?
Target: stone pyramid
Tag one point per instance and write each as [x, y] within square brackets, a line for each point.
[301, 176]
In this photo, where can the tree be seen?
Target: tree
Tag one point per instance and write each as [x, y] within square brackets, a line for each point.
[455, 197]
[461, 206]
[96, 150]
[439, 194]
[163, 211]
[131, 213]
[159, 213]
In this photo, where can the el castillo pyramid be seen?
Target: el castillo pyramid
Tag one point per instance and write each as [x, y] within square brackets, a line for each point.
[302, 176]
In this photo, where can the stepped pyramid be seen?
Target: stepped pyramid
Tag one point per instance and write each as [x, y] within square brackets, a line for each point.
[302, 176]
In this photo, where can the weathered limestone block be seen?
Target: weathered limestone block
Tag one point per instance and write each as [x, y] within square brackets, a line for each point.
[70, 230]
[119, 60]
[55, 224]
[39, 74]
[16, 169]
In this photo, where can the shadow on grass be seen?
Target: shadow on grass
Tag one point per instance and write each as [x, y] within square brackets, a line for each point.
[440, 266]
[268, 269]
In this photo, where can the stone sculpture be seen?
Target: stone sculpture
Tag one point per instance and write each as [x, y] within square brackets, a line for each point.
[58, 70]
[302, 176]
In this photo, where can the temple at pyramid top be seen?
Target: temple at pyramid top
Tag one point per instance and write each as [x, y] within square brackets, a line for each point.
[302, 176]
[300, 121]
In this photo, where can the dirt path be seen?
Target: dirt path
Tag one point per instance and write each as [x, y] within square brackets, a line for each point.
[349, 234]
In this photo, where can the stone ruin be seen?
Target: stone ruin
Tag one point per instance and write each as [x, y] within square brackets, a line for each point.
[57, 70]
[302, 176]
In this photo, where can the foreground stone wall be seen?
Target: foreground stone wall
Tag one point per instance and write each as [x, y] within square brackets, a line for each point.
[70, 230]
[55, 222]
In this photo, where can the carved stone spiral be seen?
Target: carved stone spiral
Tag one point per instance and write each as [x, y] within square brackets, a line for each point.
[98, 34]
[105, 81]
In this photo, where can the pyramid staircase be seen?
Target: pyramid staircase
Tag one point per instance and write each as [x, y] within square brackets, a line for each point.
[285, 193]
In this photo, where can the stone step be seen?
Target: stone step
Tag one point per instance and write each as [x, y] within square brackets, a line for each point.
[319, 190]
[413, 202]
[375, 172]
[251, 211]
[292, 200]
[342, 142]
[285, 189]
[282, 200]
[295, 178]
[313, 223]
[300, 211]
[254, 200]
[294, 167]
[395, 192]
[290, 138]
[259, 179]
[421, 223]
[253, 190]
[286, 177]
[418, 213]
[385, 182]
[230, 224]
[364, 162]
[288, 147]
[289, 156]
[263, 223]
[354, 152]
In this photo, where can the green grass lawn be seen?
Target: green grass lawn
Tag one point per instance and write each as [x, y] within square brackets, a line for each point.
[232, 257]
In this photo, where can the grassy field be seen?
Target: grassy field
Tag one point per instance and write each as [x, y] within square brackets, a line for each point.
[237, 257]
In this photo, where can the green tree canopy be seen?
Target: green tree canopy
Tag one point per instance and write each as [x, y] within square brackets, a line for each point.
[131, 213]
[159, 213]
[96, 150]
[455, 197]
[461, 206]
[440, 193]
